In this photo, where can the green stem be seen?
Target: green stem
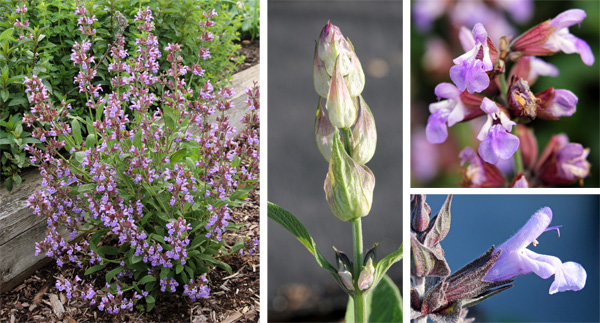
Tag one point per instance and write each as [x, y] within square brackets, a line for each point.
[518, 157]
[503, 88]
[360, 298]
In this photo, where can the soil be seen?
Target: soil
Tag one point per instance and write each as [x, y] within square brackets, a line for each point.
[233, 298]
[251, 50]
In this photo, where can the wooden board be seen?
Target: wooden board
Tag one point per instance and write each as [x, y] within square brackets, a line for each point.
[20, 229]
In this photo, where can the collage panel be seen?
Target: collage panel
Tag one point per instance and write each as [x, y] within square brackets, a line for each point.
[129, 161]
[505, 94]
[505, 258]
[298, 288]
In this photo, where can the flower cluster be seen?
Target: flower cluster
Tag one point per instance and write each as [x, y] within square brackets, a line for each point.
[445, 297]
[494, 79]
[147, 174]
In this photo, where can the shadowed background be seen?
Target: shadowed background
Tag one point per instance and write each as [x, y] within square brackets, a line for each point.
[298, 288]
[480, 221]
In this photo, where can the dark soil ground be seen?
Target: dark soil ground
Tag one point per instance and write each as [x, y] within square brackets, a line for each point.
[233, 298]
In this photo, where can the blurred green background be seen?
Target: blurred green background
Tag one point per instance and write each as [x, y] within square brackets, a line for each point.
[582, 80]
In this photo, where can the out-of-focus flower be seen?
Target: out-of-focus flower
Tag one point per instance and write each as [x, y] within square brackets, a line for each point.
[553, 36]
[460, 106]
[496, 140]
[520, 181]
[530, 67]
[470, 70]
[479, 173]
[562, 162]
[515, 259]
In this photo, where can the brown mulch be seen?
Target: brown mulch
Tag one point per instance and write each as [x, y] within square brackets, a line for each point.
[251, 50]
[233, 298]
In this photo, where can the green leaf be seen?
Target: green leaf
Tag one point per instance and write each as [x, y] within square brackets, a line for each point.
[176, 156]
[4, 95]
[90, 141]
[295, 227]
[178, 269]
[169, 118]
[146, 279]
[94, 269]
[384, 303]
[241, 193]
[76, 131]
[150, 302]
[7, 34]
[111, 274]
[17, 179]
[17, 101]
[86, 187]
[384, 264]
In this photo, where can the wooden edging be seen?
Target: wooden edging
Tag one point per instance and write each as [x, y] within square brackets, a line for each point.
[20, 229]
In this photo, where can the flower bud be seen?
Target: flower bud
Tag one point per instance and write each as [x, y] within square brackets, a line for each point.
[365, 280]
[320, 76]
[364, 135]
[348, 185]
[355, 80]
[332, 45]
[346, 278]
[340, 105]
[323, 133]
[419, 213]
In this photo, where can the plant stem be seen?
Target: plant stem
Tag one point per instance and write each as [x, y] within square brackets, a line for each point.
[518, 157]
[360, 298]
[503, 88]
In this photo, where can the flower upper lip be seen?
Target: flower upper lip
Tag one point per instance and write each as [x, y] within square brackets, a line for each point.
[516, 259]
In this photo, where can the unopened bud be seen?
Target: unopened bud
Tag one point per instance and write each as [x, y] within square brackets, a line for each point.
[340, 106]
[365, 280]
[320, 76]
[364, 135]
[371, 254]
[332, 45]
[355, 80]
[348, 185]
[342, 260]
[323, 133]
[346, 278]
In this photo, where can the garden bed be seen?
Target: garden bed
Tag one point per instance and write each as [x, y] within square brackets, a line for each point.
[27, 285]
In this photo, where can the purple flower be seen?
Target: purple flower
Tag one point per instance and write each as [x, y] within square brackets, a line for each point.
[496, 140]
[557, 103]
[562, 40]
[515, 259]
[553, 36]
[444, 112]
[470, 70]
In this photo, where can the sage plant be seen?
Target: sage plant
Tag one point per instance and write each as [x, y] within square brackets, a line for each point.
[346, 136]
[446, 297]
[493, 80]
[152, 184]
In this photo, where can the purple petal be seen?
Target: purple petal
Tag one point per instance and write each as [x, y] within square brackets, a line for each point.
[563, 103]
[470, 75]
[570, 276]
[521, 183]
[568, 18]
[465, 36]
[436, 130]
[585, 52]
[498, 144]
[530, 231]
[480, 34]
[447, 91]
[489, 106]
